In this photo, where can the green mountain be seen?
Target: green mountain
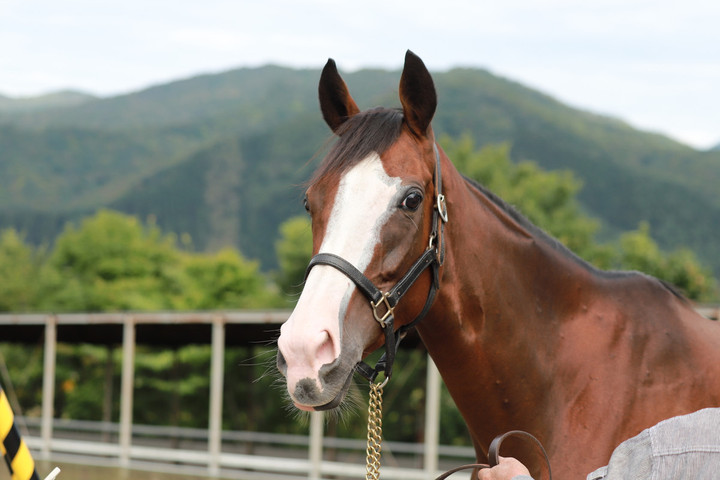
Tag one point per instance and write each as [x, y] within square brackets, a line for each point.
[223, 157]
[236, 192]
[67, 98]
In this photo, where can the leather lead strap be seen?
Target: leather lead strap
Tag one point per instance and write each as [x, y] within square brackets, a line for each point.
[494, 454]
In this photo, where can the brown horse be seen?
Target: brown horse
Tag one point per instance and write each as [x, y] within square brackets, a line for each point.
[526, 335]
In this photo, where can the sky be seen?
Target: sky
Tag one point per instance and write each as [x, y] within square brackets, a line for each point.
[654, 64]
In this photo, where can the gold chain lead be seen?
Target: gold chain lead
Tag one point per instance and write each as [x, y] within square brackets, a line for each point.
[374, 436]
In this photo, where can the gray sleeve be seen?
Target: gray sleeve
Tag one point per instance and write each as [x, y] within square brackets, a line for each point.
[681, 447]
[632, 459]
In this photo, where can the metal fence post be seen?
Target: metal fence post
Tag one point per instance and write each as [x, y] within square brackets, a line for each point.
[432, 420]
[217, 364]
[316, 445]
[127, 390]
[48, 394]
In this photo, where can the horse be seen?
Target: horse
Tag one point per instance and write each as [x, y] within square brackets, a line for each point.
[525, 334]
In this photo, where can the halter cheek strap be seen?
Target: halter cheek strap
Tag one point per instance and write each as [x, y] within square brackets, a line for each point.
[383, 304]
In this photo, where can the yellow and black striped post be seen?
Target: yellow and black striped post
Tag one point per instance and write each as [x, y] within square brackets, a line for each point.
[13, 447]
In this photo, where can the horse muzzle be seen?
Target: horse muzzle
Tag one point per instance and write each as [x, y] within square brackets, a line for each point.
[325, 390]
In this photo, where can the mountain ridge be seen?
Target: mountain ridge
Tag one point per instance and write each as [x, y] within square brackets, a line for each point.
[56, 99]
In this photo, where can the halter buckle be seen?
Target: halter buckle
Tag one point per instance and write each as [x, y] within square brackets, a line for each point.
[388, 313]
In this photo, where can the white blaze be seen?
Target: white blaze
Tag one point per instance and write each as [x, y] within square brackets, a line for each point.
[362, 206]
[363, 203]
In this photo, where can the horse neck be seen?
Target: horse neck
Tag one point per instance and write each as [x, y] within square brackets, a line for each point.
[505, 288]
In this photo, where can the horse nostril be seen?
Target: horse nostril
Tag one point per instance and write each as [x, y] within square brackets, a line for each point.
[326, 350]
[281, 363]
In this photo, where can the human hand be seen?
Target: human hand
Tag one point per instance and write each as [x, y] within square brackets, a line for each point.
[505, 470]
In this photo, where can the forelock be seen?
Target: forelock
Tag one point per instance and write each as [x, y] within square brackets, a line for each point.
[373, 130]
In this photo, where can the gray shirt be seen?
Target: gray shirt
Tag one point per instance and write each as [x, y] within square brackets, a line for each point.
[680, 447]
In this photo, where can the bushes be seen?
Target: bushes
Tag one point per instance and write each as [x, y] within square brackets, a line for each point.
[112, 262]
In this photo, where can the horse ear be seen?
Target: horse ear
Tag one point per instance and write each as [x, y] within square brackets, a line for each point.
[335, 101]
[417, 94]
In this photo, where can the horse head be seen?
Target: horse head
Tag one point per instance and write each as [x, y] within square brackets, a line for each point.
[374, 208]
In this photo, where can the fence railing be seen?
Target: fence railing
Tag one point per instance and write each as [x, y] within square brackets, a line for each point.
[124, 446]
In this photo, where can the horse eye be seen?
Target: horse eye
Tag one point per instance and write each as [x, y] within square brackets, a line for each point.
[306, 204]
[412, 201]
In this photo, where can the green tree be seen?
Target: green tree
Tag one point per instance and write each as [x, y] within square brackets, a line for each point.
[294, 249]
[638, 251]
[171, 386]
[19, 273]
[112, 262]
[225, 280]
[80, 387]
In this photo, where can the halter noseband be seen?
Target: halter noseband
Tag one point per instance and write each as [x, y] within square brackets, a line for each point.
[433, 258]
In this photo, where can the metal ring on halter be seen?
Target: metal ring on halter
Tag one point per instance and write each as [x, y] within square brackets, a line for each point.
[384, 382]
[442, 207]
[431, 243]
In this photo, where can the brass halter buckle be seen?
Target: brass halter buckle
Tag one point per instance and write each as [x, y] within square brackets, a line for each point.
[388, 313]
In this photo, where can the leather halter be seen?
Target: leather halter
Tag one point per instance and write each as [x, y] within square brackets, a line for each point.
[383, 304]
